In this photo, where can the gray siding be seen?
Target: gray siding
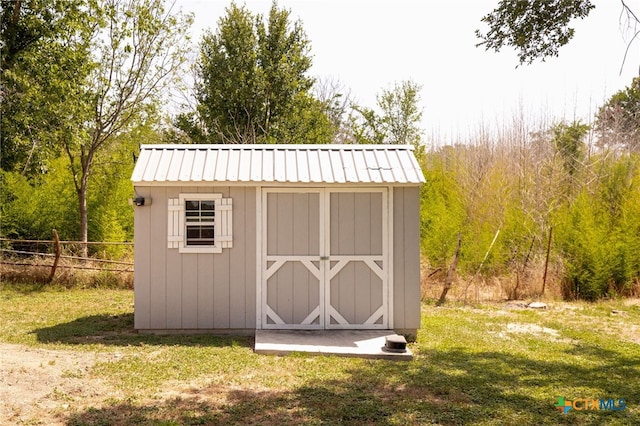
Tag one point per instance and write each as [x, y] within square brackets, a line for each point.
[293, 226]
[406, 258]
[182, 291]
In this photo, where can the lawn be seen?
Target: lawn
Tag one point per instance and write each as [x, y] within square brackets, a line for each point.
[490, 364]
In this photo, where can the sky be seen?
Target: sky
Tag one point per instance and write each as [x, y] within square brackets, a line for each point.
[368, 46]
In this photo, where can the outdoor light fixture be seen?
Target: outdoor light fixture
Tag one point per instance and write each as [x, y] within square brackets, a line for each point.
[140, 201]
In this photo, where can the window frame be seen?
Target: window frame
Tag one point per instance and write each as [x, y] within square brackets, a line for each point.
[207, 248]
[177, 223]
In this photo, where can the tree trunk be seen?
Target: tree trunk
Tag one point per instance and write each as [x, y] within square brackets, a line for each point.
[84, 216]
[448, 280]
[84, 228]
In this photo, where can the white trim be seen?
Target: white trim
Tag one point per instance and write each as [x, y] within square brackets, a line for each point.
[380, 312]
[385, 254]
[382, 274]
[325, 262]
[324, 272]
[273, 184]
[333, 313]
[312, 316]
[270, 270]
[273, 315]
[176, 223]
[390, 287]
[175, 211]
[267, 271]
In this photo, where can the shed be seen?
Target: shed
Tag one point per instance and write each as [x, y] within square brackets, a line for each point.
[235, 238]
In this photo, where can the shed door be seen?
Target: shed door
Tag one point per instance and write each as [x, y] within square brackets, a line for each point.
[325, 257]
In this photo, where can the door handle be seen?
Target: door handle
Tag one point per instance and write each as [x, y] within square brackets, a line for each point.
[324, 257]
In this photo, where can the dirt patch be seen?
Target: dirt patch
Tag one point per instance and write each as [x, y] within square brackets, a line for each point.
[540, 332]
[41, 386]
[531, 329]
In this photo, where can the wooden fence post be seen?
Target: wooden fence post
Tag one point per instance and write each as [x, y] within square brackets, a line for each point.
[448, 280]
[56, 241]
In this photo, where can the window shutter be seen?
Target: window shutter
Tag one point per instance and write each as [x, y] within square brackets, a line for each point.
[224, 223]
[175, 223]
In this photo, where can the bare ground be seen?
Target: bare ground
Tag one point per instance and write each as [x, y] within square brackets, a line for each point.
[38, 386]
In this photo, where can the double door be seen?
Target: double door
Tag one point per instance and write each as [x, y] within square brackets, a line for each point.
[324, 259]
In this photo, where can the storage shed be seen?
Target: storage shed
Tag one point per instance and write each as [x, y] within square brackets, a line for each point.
[234, 238]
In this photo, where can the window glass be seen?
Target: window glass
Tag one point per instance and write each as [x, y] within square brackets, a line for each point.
[200, 217]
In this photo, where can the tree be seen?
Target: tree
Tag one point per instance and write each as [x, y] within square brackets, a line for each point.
[136, 47]
[336, 100]
[81, 73]
[535, 28]
[401, 113]
[568, 142]
[618, 120]
[44, 61]
[398, 121]
[253, 84]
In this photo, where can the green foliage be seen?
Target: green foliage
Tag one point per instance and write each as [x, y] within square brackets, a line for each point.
[536, 29]
[110, 185]
[76, 76]
[568, 142]
[442, 213]
[254, 86]
[44, 65]
[597, 234]
[592, 203]
[31, 211]
[308, 123]
[398, 121]
[137, 48]
[367, 127]
[519, 231]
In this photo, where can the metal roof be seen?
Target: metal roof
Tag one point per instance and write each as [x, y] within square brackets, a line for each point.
[330, 164]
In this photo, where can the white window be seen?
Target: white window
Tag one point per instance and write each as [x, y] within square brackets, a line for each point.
[200, 223]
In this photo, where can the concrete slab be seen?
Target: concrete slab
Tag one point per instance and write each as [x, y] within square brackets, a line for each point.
[353, 343]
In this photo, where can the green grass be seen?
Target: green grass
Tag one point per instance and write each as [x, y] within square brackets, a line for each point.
[480, 365]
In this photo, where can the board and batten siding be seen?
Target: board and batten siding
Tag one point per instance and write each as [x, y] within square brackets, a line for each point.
[194, 291]
[406, 259]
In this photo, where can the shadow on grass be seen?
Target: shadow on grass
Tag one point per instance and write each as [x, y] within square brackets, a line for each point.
[117, 330]
[449, 387]
[25, 287]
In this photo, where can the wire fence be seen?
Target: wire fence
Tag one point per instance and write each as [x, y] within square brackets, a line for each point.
[49, 253]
